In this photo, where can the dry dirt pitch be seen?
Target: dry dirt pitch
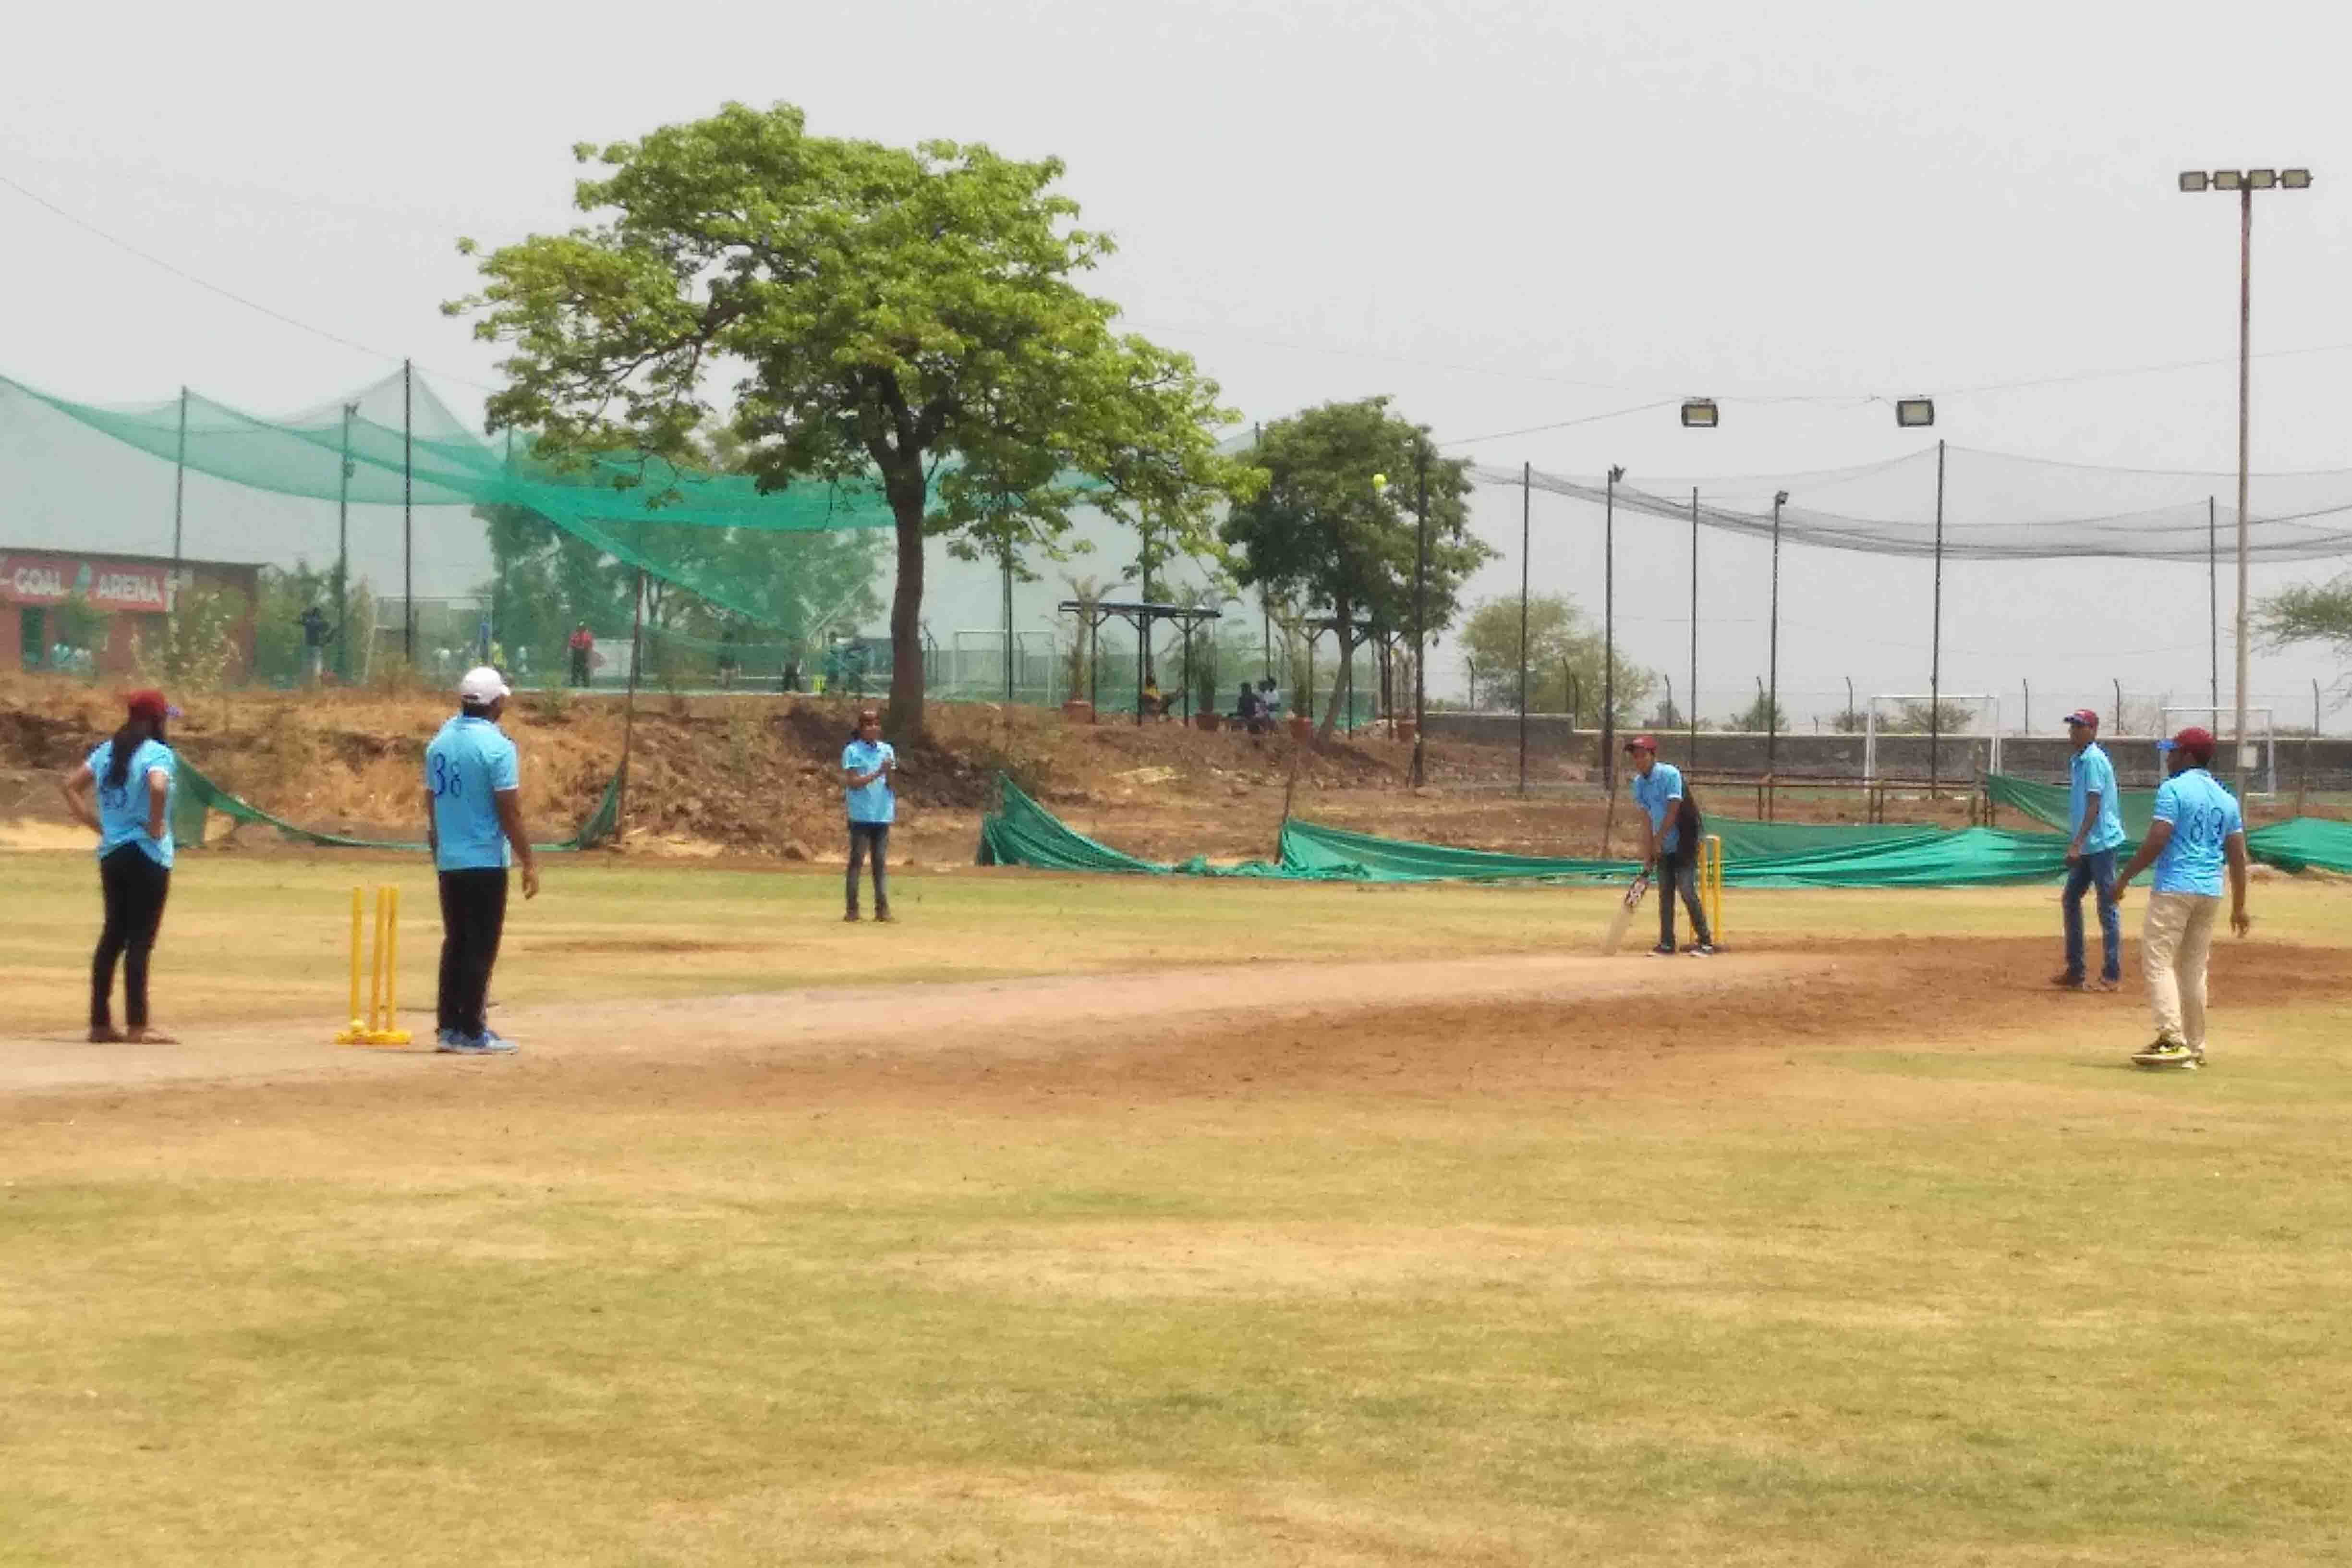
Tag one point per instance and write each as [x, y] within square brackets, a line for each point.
[1095, 1221]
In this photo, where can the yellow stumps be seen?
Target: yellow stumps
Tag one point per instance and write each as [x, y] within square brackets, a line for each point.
[1710, 882]
[383, 988]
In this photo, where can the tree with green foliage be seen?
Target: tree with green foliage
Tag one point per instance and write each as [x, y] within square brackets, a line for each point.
[2309, 611]
[1565, 655]
[1322, 534]
[899, 316]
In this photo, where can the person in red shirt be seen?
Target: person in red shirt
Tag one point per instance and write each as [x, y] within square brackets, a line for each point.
[582, 645]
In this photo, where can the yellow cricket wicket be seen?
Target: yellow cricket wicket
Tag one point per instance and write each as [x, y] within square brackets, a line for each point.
[1710, 881]
[376, 1027]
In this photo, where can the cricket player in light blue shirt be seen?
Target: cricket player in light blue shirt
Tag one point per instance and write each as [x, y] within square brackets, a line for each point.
[867, 764]
[473, 824]
[2198, 831]
[135, 779]
[2097, 812]
[1658, 790]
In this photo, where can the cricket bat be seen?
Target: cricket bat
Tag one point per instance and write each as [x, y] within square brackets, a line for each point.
[1622, 919]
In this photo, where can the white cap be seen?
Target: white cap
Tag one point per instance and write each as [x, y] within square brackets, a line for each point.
[482, 686]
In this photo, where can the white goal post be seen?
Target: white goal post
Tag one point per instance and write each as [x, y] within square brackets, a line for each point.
[1984, 725]
[2261, 741]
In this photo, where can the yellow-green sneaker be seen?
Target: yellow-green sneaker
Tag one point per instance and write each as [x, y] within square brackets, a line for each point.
[2166, 1053]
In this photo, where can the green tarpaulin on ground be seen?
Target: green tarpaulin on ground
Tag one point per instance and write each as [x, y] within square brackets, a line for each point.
[198, 795]
[1020, 832]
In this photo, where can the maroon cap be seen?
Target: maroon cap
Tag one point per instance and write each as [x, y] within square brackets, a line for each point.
[2197, 741]
[150, 705]
[1642, 744]
[2083, 716]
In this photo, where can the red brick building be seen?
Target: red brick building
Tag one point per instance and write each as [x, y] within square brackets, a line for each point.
[132, 594]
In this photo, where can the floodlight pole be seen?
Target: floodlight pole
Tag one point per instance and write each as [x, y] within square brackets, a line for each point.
[1420, 603]
[1773, 696]
[1690, 758]
[1936, 643]
[2213, 597]
[2245, 388]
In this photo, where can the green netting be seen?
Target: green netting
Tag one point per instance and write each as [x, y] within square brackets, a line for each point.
[2304, 843]
[199, 795]
[2054, 803]
[1020, 832]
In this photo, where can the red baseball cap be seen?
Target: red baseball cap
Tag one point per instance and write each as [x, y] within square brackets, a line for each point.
[2197, 741]
[2083, 716]
[150, 705]
[1642, 744]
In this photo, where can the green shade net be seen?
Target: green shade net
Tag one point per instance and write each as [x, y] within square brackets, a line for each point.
[198, 795]
[2054, 803]
[1020, 832]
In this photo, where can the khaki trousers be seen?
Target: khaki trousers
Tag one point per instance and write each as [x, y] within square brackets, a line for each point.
[2174, 940]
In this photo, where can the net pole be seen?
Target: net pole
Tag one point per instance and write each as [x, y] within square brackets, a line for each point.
[343, 555]
[1526, 509]
[1609, 634]
[629, 706]
[180, 482]
[1420, 605]
[1936, 644]
[1692, 756]
[408, 514]
[1008, 619]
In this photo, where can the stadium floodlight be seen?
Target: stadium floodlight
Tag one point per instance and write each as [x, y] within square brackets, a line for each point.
[1914, 413]
[2194, 179]
[2243, 185]
[1699, 414]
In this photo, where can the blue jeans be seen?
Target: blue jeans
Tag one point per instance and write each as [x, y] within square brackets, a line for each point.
[2096, 866]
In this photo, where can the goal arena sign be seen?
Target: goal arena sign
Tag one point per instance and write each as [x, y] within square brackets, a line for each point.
[108, 585]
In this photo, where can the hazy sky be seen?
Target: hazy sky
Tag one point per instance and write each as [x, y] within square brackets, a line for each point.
[1507, 214]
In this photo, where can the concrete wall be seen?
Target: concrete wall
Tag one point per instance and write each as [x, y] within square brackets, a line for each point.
[1840, 756]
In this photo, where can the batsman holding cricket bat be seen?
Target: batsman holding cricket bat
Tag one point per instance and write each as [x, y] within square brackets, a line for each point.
[1670, 831]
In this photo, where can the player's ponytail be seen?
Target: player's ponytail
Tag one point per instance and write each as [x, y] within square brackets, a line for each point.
[136, 732]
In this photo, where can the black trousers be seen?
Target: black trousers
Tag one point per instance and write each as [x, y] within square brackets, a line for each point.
[473, 916]
[861, 834]
[134, 888]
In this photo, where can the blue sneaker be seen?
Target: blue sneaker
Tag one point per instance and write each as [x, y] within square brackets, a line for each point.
[445, 1038]
[484, 1044]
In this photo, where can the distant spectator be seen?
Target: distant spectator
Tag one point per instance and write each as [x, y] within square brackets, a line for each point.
[582, 643]
[1248, 710]
[728, 660]
[1155, 705]
[865, 768]
[316, 635]
[792, 675]
[1269, 700]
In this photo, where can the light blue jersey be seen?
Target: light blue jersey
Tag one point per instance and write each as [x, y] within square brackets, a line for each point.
[1654, 794]
[123, 813]
[2094, 775]
[2203, 814]
[465, 767]
[873, 802]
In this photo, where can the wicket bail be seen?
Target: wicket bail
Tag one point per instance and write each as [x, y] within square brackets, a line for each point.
[1710, 882]
[384, 974]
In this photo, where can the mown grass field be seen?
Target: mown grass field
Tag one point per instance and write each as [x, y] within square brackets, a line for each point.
[1821, 1288]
